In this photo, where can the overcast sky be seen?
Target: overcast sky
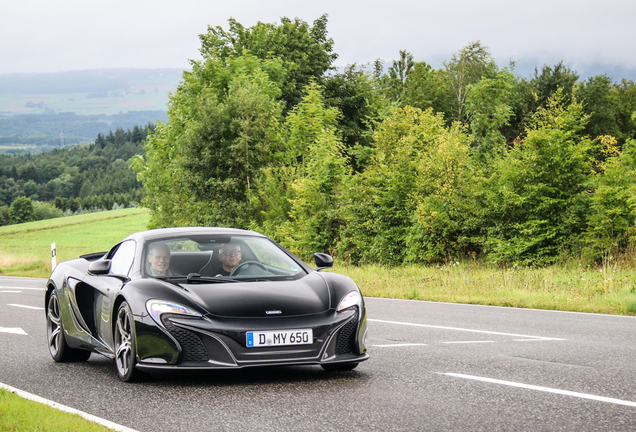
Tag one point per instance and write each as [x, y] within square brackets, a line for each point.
[60, 35]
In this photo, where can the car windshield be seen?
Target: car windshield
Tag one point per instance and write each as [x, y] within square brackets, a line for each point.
[222, 257]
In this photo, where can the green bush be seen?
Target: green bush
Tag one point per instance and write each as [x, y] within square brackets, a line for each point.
[21, 211]
[46, 211]
[410, 204]
[535, 200]
[612, 206]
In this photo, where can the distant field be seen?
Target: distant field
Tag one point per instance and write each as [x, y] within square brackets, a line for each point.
[155, 98]
[25, 249]
[39, 112]
[102, 91]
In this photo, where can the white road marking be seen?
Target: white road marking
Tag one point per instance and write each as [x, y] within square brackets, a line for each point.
[15, 330]
[501, 307]
[26, 307]
[399, 345]
[464, 329]
[9, 291]
[469, 342]
[22, 288]
[544, 389]
[61, 407]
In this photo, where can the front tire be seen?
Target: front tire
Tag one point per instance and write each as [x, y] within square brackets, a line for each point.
[125, 347]
[59, 349]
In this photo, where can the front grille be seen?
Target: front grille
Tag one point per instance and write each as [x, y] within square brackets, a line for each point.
[192, 349]
[346, 343]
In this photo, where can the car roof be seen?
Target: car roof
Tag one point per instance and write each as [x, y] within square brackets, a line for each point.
[156, 234]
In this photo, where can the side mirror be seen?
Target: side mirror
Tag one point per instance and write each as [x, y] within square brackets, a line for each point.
[99, 267]
[323, 260]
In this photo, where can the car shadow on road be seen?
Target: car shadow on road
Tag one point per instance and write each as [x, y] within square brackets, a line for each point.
[104, 368]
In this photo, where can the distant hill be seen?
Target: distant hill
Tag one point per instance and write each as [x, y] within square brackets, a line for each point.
[88, 81]
[43, 111]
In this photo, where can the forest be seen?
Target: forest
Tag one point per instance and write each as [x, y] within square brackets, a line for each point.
[394, 163]
[72, 179]
[23, 132]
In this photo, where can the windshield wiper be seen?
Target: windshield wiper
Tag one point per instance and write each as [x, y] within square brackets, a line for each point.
[197, 278]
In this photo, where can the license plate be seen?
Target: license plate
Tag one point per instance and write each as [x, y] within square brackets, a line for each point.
[280, 338]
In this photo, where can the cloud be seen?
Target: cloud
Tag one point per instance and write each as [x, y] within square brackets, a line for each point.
[45, 36]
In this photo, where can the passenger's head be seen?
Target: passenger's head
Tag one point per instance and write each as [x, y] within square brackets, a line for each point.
[159, 258]
[230, 255]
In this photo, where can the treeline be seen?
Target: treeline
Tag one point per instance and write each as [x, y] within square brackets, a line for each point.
[73, 179]
[397, 164]
[44, 129]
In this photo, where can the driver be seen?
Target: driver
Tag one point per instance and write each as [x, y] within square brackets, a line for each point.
[159, 259]
[230, 256]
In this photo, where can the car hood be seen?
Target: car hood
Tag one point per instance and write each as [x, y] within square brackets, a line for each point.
[309, 295]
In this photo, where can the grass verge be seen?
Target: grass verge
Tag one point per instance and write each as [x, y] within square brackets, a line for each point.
[18, 414]
[609, 289]
[25, 249]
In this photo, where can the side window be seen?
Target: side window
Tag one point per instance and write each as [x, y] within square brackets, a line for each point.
[123, 258]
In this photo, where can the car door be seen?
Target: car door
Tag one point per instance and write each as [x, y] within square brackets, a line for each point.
[99, 291]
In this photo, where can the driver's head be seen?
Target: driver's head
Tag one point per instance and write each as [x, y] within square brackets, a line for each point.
[230, 255]
[159, 259]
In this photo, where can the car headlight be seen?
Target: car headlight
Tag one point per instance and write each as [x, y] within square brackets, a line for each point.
[156, 308]
[352, 299]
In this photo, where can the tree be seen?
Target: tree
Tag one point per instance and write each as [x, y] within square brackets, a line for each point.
[535, 201]
[43, 211]
[546, 83]
[398, 74]
[306, 51]
[467, 67]
[610, 223]
[624, 102]
[4, 215]
[489, 107]
[445, 220]
[21, 211]
[223, 130]
[385, 213]
[426, 88]
[596, 96]
[354, 94]
[301, 193]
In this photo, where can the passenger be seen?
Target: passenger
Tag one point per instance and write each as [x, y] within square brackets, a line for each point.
[230, 256]
[159, 259]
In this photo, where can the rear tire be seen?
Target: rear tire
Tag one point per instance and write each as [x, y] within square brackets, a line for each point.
[339, 367]
[125, 347]
[59, 349]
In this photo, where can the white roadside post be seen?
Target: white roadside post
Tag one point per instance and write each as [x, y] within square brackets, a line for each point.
[53, 253]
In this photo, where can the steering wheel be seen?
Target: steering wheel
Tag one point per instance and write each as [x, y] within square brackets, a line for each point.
[236, 269]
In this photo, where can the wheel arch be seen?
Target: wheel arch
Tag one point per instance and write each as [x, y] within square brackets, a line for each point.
[50, 286]
[116, 304]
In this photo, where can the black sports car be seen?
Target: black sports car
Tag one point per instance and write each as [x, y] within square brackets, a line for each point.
[203, 298]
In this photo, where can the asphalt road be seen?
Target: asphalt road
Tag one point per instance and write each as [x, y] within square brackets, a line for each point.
[433, 366]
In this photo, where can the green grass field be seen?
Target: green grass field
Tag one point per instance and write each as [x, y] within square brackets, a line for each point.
[607, 289]
[25, 250]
